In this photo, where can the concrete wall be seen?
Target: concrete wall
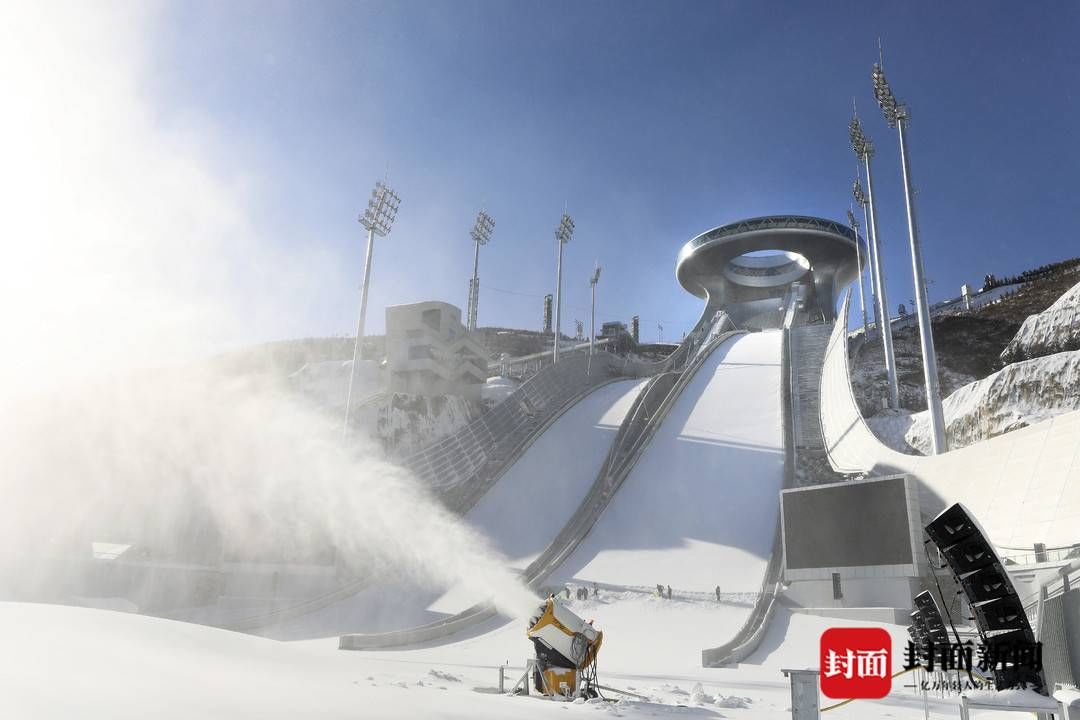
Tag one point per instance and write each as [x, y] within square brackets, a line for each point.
[430, 352]
[894, 592]
[1024, 486]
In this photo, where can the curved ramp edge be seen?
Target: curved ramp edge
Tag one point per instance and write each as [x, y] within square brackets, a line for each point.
[1023, 486]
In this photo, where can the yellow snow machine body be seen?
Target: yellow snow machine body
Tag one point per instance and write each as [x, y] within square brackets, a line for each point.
[566, 648]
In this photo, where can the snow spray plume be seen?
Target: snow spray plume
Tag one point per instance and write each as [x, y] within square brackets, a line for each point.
[123, 250]
[194, 467]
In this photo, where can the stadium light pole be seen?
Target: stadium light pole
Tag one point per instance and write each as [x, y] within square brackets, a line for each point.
[481, 235]
[860, 200]
[864, 150]
[377, 219]
[858, 260]
[592, 323]
[897, 116]
[563, 233]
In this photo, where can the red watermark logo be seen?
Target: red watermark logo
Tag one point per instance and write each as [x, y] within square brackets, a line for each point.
[856, 663]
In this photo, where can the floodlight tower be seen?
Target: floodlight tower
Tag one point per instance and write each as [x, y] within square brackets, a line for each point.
[897, 116]
[377, 219]
[864, 150]
[592, 323]
[858, 259]
[860, 200]
[563, 233]
[481, 235]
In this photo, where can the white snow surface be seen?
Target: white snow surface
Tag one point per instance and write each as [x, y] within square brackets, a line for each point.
[536, 497]
[700, 507]
[891, 427]
[65, 662]
[1012, 698]
[1016, 396]
[1055, 329]
[497, 389]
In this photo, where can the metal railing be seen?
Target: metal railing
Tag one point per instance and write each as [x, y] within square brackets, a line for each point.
[772, 222]
[1032, 557]
[528, 365]
[461, 467]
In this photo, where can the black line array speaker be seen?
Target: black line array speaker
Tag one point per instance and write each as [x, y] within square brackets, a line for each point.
[917, 629]
[930, 614]
[970, 554]
[989, 583]
[951, 526]
[1003, 613]
[997, 610]
[920, 636]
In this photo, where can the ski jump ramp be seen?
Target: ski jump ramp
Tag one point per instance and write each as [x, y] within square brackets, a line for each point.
[698, 510]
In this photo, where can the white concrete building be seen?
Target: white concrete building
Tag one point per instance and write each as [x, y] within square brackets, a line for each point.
[430, 352]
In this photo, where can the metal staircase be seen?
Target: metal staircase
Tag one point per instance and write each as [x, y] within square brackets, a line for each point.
[808, 343]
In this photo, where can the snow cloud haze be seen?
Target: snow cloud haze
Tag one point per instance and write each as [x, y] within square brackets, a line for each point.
[128, 256]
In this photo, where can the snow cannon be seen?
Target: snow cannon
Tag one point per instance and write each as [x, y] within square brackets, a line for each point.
[566, 648]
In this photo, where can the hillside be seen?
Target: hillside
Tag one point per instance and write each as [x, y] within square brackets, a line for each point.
[1054, 330]
[969, 345]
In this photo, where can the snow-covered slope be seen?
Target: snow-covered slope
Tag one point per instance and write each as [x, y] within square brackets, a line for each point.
[1016, 396]
[497, 389]
[700, 508]
[63, 662]
[1054, 330]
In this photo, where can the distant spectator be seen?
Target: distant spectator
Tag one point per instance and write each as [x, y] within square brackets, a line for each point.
[717, 593]
[595, 591]
[567, 589]
[659, 590]
[668, 592]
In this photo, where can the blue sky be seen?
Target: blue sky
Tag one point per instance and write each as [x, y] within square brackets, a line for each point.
[650, 122]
